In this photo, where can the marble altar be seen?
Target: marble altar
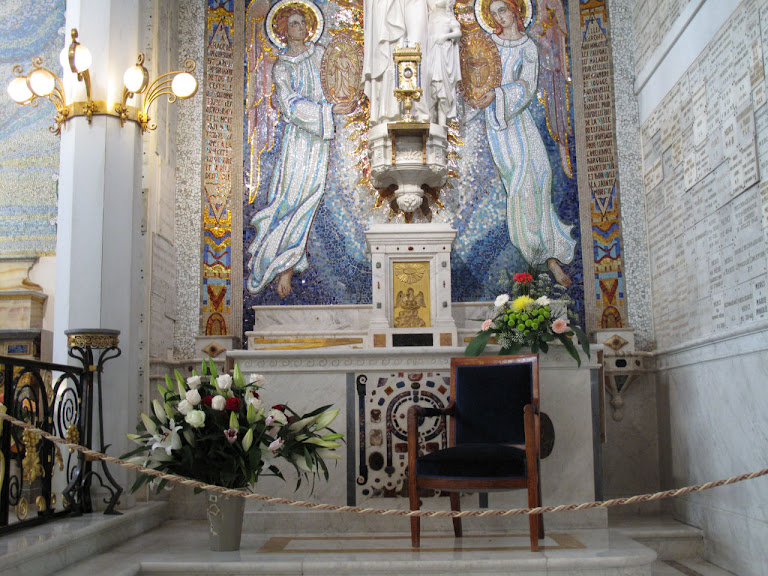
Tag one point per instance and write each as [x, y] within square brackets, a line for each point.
[311, 377]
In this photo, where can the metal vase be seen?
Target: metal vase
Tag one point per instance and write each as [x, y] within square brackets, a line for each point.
[225, 520]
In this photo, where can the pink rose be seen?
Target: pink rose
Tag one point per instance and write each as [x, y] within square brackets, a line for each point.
[487, 324]
[560, 325]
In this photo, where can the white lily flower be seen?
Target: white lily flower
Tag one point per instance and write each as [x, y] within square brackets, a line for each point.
[276, 416]
[168, 439]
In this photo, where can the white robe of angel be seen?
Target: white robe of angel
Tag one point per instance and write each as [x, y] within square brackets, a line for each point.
[298, 180]
[521, 157]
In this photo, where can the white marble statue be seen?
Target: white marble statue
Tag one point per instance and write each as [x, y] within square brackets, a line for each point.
[441, 64]
[389, 23]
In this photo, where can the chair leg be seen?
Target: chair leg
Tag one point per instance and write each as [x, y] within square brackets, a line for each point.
[541, 517]
[535, 523]
[456, 507]
[413, 493]
[534, 520]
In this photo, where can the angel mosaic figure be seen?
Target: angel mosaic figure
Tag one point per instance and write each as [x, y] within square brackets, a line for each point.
[516, 145]
[298, 179]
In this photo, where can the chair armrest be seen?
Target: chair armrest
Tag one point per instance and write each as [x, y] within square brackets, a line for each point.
[414, 413]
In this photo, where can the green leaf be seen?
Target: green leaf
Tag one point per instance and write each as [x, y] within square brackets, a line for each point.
[478, 343]
[308, 458]
[570, 347]
[534, 347]
[583, 340]
[544, 346]
[322, 464]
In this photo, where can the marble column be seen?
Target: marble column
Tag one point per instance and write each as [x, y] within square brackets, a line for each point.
[100, 244]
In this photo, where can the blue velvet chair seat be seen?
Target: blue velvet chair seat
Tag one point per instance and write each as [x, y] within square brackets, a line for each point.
[473, 461]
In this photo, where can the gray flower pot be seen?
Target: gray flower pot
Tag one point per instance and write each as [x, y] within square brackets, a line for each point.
[225, 519]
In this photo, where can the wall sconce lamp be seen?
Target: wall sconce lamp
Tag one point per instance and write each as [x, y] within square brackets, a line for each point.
[42, 83]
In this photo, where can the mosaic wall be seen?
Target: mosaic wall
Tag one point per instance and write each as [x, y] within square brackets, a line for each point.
[217, 169]
[600, 165]
[382, 447]
[332, 266]
[29, 152]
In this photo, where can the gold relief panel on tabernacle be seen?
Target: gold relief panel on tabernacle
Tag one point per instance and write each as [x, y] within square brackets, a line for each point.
[410, 288]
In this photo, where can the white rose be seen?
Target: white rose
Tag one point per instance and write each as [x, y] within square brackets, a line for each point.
[257, 379]
[184, 407]
[224, 381]
[218, 402]
[193, 397]
[193, 381]
[501, 299]
[196, 418]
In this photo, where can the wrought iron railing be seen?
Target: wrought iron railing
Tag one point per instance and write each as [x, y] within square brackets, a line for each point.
[27, 463]
[61, 400]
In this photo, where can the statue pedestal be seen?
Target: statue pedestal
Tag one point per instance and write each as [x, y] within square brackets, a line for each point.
[411, 285]
[408, 155]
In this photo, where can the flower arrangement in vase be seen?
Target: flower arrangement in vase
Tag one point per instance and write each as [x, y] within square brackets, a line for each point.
[531, 315]
[216, 429]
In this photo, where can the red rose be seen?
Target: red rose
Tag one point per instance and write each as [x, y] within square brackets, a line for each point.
[523, 278]
[207, 400]
[233, 404]
[279, 407]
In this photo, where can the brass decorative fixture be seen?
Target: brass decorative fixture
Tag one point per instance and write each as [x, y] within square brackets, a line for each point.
[43, 83]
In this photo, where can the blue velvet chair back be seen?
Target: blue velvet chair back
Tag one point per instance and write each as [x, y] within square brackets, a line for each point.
[490, 400]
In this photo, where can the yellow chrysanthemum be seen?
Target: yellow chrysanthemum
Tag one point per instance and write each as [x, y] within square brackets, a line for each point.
[522, 302]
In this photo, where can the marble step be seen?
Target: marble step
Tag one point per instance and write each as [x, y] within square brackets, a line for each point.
[180, 548]
[687, 567]
[670, 539]
[48, 548]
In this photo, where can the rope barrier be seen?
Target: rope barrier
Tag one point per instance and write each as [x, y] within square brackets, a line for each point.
[378, 511]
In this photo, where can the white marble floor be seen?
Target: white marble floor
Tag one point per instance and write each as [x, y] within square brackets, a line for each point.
[140, 543]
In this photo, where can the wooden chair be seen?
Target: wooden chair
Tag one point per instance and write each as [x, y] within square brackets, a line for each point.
[493, 436]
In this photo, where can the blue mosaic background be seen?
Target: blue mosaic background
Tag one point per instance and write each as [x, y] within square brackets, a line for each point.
[29, 152]
[339, 269]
